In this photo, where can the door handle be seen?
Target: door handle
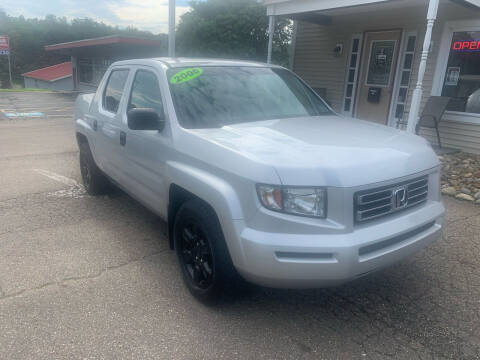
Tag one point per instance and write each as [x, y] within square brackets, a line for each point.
[95, 125]
[123, 138]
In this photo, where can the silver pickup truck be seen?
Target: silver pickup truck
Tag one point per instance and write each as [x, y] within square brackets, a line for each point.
[257, 177]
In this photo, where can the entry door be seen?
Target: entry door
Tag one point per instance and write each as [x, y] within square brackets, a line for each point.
[379, 62]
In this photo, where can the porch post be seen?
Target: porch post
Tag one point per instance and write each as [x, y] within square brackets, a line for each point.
[417, 93]
[271, 29]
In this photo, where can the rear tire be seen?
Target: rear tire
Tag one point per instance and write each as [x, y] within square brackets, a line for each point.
[94, 181]
[202, 253]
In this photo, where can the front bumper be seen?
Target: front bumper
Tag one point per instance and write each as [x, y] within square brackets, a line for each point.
[320, 260]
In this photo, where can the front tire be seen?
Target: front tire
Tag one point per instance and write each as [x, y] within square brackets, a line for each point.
[94, 181]
[202, 253]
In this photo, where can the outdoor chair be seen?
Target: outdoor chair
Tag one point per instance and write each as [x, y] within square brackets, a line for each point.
[431, 115]
[322, 92]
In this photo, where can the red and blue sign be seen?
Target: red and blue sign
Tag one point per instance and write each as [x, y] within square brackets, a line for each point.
[467, 45]
[4, 45]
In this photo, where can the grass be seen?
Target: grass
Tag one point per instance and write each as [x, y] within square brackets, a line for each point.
[24, 90]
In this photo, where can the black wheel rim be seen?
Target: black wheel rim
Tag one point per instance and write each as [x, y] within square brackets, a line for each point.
[85, 170]
[196, 255]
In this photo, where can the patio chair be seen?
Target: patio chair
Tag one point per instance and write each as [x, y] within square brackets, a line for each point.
[431, 115]
[322, 92]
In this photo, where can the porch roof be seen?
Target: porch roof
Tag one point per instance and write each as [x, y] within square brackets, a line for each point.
[333, 7]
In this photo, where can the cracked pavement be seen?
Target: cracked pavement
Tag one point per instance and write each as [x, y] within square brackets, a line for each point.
[93, 278]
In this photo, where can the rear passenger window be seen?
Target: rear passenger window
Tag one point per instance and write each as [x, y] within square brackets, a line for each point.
[146, 92]
[114, 90]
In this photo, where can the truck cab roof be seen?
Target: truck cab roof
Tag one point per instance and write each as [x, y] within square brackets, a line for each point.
[194, 62]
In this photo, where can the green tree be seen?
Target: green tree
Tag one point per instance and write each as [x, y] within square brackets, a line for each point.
[231, 29]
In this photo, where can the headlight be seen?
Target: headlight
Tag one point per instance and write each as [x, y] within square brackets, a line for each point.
[303, 201]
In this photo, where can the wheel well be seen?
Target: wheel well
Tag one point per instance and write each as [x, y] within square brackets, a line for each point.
[176, 197]
[81, 139]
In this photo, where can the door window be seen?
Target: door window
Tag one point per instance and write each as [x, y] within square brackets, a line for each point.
[146, 92]
[406, 66]
[351, 79]
[114, 90]
[380, 62]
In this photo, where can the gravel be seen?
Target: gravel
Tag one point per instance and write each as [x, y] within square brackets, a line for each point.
[461, 176]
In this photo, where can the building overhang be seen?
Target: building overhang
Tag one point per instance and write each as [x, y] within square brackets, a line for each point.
[287, 7]
[112, 45]
[294, 8]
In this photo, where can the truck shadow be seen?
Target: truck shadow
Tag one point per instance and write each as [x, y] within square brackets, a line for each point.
[413, 305]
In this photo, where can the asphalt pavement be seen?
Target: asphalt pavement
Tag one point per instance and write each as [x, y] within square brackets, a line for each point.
[93, 278]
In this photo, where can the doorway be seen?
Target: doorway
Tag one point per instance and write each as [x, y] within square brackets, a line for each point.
[378, 67]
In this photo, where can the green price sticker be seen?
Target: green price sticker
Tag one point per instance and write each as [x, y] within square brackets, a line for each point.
[186, 75]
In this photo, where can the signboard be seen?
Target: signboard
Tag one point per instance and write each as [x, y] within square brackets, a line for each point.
[453, 75]
[467, 45]
[4, 46]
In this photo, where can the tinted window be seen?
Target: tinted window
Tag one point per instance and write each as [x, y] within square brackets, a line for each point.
[216, 96]
[146, 92]
[114, 90]
[462, 80]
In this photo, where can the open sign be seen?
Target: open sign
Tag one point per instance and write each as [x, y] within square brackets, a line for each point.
[470, 45]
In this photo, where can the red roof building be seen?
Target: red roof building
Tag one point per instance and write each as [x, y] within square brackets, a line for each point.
[91, 57]
[55, 77]
[51, 73]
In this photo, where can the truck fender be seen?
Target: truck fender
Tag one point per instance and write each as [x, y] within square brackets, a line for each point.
[219, 195]
[83, 120]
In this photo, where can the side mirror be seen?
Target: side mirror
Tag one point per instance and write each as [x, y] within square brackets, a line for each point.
[144, 119]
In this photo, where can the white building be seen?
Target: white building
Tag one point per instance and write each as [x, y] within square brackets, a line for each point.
[402, 50]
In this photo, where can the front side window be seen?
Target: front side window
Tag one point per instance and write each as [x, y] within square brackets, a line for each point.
[114, 90]
[146, 92]
[462, 77]
[216, 96]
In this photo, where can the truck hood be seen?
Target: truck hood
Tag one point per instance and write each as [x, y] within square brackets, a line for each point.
[327, 150]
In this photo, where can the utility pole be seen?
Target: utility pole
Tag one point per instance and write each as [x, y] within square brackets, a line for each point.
[5, 50]
[171, 28]
[271, 29]
[10, 70]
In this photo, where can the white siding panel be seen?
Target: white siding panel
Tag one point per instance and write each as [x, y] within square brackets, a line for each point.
[456, 135]
[316, 63]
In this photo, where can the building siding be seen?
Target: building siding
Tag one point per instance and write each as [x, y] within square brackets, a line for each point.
[316, 63]
[65, 84]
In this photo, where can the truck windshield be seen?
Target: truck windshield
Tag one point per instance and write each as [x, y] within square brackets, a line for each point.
[206, 97]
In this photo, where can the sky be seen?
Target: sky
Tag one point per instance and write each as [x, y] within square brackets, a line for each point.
[151, 15]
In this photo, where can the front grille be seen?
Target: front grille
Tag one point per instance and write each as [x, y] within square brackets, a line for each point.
[374, 203]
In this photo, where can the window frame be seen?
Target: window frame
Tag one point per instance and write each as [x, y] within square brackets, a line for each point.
[400, 69]
[162, 116]
[392, 69]
[104, 90]
[442, 63]
[356, 69]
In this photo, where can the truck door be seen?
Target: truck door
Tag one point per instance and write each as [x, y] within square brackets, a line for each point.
[108, 124]
[147, 150]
